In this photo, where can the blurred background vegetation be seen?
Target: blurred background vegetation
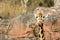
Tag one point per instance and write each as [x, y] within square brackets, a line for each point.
[12, 8]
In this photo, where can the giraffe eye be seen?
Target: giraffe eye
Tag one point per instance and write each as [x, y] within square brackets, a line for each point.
[37, 17]
[43, 16]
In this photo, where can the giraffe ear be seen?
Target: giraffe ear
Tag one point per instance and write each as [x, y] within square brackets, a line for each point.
[35, 15]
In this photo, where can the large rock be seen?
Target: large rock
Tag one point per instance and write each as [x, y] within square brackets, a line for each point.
[20, 27]
[51, 29]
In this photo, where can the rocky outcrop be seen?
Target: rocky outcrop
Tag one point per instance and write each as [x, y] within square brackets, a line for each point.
[18, 27]
[51, 26]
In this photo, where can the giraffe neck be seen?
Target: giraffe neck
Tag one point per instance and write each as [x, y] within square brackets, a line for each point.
[41, 32]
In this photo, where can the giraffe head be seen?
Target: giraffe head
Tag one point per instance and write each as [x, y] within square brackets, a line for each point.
[38, 15]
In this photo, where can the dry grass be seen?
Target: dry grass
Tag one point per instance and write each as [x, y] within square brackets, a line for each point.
[9, 10]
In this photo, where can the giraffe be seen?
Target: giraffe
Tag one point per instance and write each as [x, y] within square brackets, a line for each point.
[39, 16]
